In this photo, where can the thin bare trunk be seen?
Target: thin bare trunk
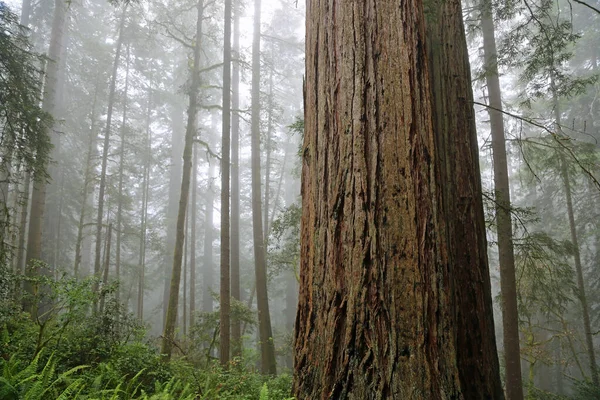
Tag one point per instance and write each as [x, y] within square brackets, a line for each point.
[225, 292]
[565, 175]
[174, 186]
[268, 364]
[87, 188]
[171, 317]
[144, 211]
[23, 224]
[193, 208]
[236, 335]
[508, 283]
[208, 269]
[107, 132]
[186, 245]
[120, 185]
[105, 268]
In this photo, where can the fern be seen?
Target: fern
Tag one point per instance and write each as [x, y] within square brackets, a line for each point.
[264, 392]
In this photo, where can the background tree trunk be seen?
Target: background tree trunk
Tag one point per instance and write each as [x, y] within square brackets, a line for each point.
[120, 185]
[208, 269]
[102, 187]
[175, 173]
[225, 292]
[236, 331]
[508, 283]
[171, 318]
[267, 347]
[38, 196]
[193, 208]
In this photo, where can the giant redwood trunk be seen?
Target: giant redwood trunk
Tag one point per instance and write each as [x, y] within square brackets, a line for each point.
[379, 312]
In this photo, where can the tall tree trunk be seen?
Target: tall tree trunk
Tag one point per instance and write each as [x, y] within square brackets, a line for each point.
[379, 312]
[120, 185]
[105, 268]
[194, 91]
[225, 292]
[102, 187]
[144, 217]
[236, 335]
[458, 166]
[508, 284]
[268, 162]
[268, 364]
[144, 212]
[186, 245]
[585, 310]
[87, 187]
[53, 218]
[208, 269]
[23, 224]
[25, 12]
[38, 197]
[175, 173]
[193, 209]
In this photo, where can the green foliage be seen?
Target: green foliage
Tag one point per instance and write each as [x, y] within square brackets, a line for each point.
[23, 124]
[70, 354]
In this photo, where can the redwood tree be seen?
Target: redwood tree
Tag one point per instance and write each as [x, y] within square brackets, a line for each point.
[395, 296]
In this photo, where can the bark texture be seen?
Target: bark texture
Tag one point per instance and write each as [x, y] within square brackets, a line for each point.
[379, 315]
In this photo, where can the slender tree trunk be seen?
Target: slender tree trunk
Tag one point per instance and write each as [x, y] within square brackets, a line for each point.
[107, 132]
[105, 268]
[175, 173]
[87, 180]
[171, 318]
[144, 211]
[120, 185]
[186, 245]
[381, 313]
[268, 364]
[25, 12]
[193, 208]
[268, 163]
[565, 175]
[58, 240]
[38, 197]
[208, 270]
[225, 292]
[23, 224]
[236, 334]
[508, 284]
